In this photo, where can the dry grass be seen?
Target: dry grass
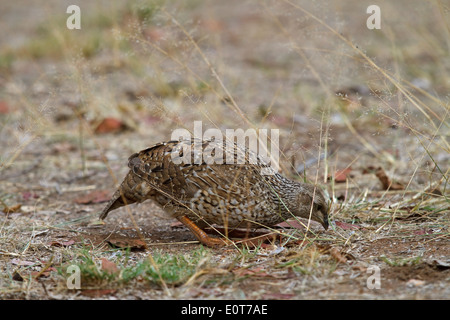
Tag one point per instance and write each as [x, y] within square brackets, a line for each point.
[342, 96]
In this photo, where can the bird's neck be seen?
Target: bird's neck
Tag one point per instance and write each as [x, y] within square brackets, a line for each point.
[284, 193]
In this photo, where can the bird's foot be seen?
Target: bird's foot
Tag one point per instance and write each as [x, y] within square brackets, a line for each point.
[202, 236]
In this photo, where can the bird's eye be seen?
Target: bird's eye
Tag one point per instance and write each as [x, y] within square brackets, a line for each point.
[319, 207]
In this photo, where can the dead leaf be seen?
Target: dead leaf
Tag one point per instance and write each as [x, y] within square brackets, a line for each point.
[291, 224]
[347, 226]
[423, 231]
[96, 196]
[13, 209]
[110, 125]
[265, 246]
[279, 120]
[29, 195]
[149, 120]
[212, 25]
[336, 254]
[19, 262]
[62, 243]
[341, 175]
[359, 267]
[386, 183]
[109, 266]
[415, 283]
[63, 147]
[176, 225]
[259, 272]
[4, 108]
[154, 34]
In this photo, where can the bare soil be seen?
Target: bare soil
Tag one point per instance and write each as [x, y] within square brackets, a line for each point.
[284, 70]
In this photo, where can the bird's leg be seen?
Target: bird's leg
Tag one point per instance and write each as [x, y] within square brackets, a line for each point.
[201, 235]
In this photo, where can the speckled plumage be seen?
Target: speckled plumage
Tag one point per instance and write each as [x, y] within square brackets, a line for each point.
[208, 191]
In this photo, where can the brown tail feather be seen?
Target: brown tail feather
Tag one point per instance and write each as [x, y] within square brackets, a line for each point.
[118, 200]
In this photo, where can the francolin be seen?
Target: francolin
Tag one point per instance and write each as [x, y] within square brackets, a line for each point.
[195, 182]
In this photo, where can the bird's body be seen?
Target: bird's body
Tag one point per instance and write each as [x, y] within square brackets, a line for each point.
[204, 188]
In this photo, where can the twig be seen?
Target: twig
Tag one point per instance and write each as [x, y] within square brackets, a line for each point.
[47, 265]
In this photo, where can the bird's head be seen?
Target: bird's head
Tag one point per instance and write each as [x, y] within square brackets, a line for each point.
[312, 196]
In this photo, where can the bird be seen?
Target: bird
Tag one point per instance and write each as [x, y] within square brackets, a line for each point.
[205, 182]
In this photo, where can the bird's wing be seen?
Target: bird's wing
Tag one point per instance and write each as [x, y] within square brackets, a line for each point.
[181, 168]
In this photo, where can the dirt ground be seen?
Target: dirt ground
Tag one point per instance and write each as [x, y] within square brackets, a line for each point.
[362, 112]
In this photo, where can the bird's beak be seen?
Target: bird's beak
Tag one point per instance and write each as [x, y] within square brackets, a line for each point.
[325, 212]
[325, 222]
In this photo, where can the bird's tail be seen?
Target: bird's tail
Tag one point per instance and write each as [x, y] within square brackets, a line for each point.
[118, 200]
